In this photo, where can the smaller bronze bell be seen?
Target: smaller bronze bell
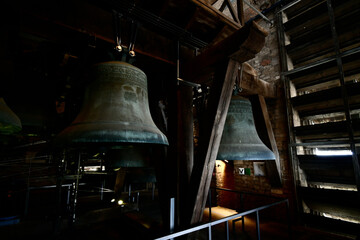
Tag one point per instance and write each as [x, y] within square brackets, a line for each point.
[240, 140]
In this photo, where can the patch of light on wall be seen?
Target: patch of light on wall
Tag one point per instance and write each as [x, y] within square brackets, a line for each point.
[94, 168]
[341, 218]
[332, 152]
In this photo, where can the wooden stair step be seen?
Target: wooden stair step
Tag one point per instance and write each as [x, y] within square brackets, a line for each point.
[328, 169]
[326, 101]
[327, 130]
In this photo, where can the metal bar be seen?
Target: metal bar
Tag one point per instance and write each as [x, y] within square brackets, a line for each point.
[68, 196]
[206, 225]
[210, 236]
[137, 200]
[257, 11]
[178, 60]
[257, 225]
[172, 214]
[344, 94]
[76, 187]
[210, 204]
[227, 230]
[243, 223]
[129, 192]
[289, 5]
[191, 84]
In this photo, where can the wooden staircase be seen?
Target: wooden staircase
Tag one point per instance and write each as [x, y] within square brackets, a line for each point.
[320, 59]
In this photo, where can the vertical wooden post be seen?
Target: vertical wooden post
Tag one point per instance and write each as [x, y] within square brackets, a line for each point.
[204, 165]
[185, 146]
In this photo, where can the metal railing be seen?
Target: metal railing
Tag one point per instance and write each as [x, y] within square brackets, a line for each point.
[234, 217]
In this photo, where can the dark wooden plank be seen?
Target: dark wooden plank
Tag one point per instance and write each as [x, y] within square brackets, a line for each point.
[240, 10]
[185, 147]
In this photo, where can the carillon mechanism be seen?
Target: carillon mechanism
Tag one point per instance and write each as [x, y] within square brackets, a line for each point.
[115, 109]
[240, 140]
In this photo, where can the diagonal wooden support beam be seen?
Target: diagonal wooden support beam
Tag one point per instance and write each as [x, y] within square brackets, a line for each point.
[201, 182]
[239, 47]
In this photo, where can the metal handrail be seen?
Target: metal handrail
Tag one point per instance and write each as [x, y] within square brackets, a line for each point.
[226, 219]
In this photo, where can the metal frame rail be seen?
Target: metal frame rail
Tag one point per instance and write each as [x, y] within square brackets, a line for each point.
[226, 219]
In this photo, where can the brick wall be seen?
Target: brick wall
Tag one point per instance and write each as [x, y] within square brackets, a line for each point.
[267, 65]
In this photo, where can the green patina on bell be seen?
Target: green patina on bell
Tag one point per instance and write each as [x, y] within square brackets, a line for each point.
[240, 140]
[115, 109]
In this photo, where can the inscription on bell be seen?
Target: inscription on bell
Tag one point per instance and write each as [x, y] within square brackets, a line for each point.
[126, 74]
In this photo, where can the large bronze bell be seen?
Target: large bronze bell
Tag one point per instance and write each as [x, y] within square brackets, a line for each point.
[115, 109]
[240, 140]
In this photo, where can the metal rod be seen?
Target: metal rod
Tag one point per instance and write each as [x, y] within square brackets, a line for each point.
[210, 235]
[210, 204]
[257, 225]
[137, 200]
[227, 230]
[257, 11]
[75, 190]
[129, 192]
[207, 225]
[243, 223]
[191, 84]
[172, 215]
[289, 5]
[68, 197]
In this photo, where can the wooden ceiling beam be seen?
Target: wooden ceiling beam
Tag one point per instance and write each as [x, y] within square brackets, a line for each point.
[250, 83]
[217, 14]
[241, 46]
